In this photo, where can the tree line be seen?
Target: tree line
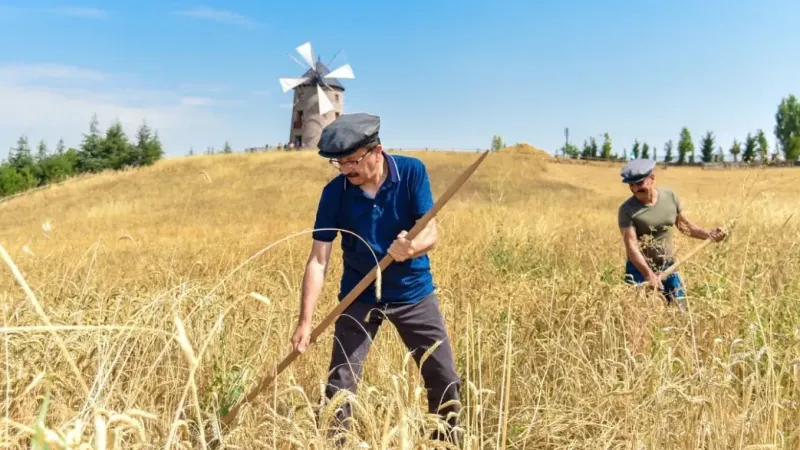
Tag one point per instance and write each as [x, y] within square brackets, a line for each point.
[753, 148]
[26, 169]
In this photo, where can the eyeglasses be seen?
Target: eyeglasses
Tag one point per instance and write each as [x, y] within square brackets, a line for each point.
[339, 165]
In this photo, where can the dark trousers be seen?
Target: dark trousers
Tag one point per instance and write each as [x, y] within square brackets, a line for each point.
[420, 326]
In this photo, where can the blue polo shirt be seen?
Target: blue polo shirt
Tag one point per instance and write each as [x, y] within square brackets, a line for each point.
[403, 198]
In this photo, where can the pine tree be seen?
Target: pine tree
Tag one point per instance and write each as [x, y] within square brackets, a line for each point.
[90, 157]
[668, 151]
[148, 148]
[115, 149]
[763, 146]
[635, 150]
[645, 151]
[60, 147]
[227, 148]
[707, 147]
[20, 156]
[750, 144]
[41, 153]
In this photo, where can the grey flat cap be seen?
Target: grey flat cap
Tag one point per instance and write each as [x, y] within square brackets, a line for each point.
[349, 132]
[637, 170]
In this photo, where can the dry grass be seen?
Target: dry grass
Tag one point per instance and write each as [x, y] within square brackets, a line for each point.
[142, 282]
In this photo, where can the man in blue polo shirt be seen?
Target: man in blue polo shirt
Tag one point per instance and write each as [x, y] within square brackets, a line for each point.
[378, 197]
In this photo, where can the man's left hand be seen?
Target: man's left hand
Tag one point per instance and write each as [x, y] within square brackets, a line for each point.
[402, 248]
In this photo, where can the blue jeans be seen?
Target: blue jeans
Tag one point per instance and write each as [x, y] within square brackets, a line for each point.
[673, 289]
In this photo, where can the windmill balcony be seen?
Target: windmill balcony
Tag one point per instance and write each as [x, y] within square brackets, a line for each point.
[297, 124]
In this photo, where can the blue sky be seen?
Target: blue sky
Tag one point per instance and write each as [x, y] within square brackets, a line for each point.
[444, 74]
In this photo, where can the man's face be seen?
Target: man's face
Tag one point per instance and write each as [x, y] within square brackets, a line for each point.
[642, 188]
[361, 165]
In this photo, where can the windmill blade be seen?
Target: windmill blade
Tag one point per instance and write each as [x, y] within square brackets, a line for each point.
[290, 83]
[342, 72]
[305, 51]
[325, 105]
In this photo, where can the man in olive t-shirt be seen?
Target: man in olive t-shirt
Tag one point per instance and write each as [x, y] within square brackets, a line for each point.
[646, 220]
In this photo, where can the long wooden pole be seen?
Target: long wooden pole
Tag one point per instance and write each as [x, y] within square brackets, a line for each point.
[354, 293]
[663, 275]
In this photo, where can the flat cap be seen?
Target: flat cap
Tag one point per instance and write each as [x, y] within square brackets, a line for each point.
[348, 133]
[637, 170]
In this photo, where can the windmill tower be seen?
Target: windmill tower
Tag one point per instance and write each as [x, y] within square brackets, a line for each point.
[318, 98]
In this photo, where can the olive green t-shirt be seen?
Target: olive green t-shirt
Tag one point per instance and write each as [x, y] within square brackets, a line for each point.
[653, 225]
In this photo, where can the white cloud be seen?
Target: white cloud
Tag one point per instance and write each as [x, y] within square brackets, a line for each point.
[73, 11]
[227, 17]
[91, 13]
[204, 87]
[196, 101]
[32, 72]
[51, 101]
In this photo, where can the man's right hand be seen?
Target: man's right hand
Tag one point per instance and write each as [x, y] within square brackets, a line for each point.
[301, 337]
[654, 281]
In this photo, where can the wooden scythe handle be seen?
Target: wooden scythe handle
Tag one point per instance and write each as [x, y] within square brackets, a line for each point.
[663, 275]
[355, 292]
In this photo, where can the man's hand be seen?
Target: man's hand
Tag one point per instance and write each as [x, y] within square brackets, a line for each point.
[653, 281]
[402, 249]
[301, 337]
[717, 234]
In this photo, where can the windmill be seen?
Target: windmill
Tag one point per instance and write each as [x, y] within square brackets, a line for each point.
[318, 98]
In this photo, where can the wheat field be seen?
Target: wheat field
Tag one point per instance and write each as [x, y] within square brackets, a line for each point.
[140, 327]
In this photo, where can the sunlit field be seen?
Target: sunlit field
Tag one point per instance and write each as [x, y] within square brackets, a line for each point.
[140, 329]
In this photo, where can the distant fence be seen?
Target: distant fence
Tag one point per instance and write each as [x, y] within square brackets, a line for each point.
[748, 165]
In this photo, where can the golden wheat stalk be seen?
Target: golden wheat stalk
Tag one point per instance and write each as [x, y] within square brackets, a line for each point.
[43, 316]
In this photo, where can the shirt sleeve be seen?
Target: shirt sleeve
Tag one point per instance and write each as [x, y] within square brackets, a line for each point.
[327, 213]
[421, 194]
[678, 205]
[623, 218]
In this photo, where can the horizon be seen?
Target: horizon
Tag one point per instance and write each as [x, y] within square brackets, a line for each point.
[202, 75]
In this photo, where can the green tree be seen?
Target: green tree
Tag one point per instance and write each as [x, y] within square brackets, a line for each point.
[787, 127]
[60, 147]
[115, 149]
[90, 155]
[750, 144]
[41, 153]
[227, 148]
[13, 180]
[587, 149]
[707, 147]
[736, 150]
[571, 150]
[645, 151]
[58, 167]
[148, 148]
[685, 146]
[635, 149]
[606, 152]
[593, 148]
[668, 157]
[20, 156]
[497, 143]
[763, 146]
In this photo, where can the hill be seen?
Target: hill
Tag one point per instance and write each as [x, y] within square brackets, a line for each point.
[555, 351]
